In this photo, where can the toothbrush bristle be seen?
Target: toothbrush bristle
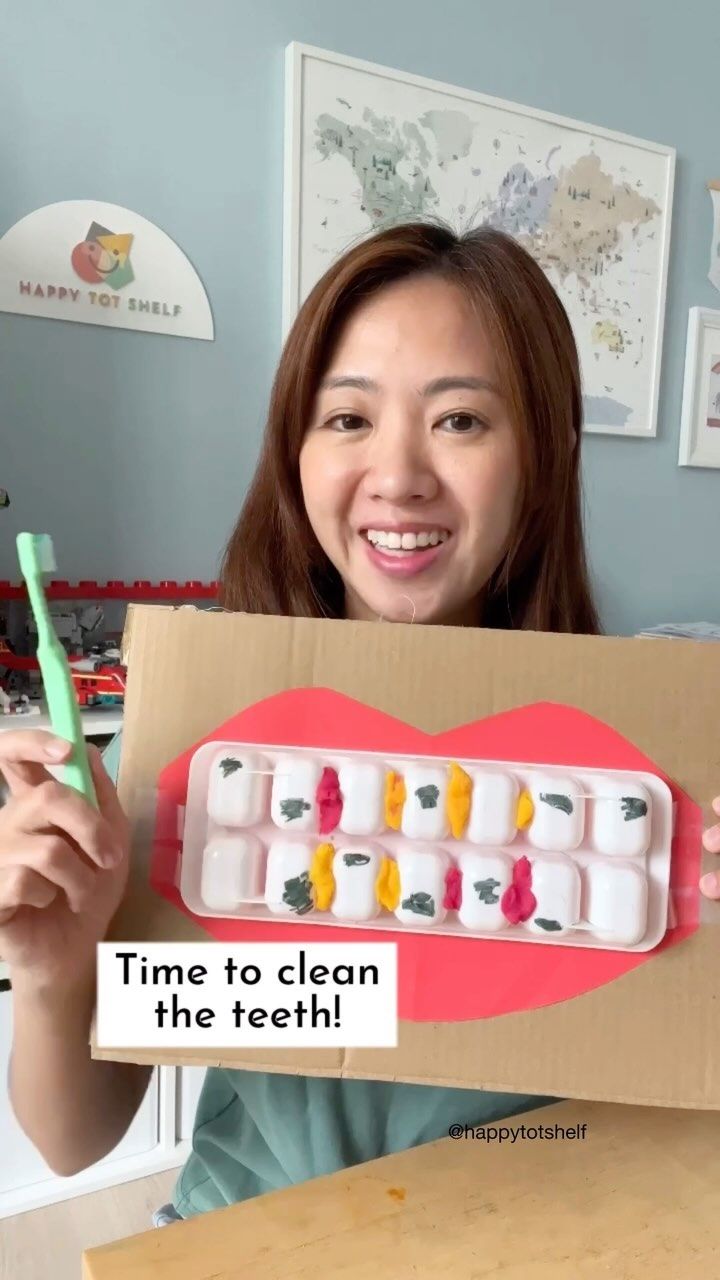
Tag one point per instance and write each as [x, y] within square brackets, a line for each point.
[45, 553]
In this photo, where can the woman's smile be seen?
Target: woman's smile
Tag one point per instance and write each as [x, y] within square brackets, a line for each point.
[405, 550]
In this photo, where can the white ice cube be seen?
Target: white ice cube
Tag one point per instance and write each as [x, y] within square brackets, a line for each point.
[238, 790]
[422, 885]
[485, 877]
[493, 808]
[558, 823]
[555, 885]
[288, 890]
[620, 817]
[232, 871]
[424, 815]
[294, 789]
[362, 786]
[617, 902]
[355, 871]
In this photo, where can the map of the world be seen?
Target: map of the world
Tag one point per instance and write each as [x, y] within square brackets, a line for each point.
[376, 149]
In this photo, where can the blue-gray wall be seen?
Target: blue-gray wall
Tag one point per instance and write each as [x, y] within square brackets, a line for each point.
[134, 451]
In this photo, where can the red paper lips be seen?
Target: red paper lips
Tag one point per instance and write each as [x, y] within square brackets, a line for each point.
[446, 979]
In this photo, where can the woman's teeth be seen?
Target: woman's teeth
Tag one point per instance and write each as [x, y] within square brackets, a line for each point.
[406, 541]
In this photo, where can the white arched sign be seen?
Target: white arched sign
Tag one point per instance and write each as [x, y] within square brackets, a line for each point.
[101, 264]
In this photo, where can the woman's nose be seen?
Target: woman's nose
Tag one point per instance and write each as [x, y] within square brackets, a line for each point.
[400, 468]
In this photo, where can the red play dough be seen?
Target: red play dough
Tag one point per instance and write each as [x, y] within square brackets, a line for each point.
[518, 901]
[453, 890]
[446, 979]
[329, 801]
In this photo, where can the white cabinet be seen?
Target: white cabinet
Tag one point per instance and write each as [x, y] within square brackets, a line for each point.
[154, 1141]
[21, 1166]
[158, 1138]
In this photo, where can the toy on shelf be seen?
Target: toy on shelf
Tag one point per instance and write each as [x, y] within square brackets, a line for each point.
[72, 628]
[11, 661]
[17, 704]
[480, 849]
[16, 672]
[96, 682]
[88, 619]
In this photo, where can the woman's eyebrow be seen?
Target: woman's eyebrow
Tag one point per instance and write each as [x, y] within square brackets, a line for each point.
[463, 383]
[349, 380]
[435, 388]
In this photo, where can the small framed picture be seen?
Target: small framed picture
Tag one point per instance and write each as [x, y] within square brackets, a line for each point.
[700, 426]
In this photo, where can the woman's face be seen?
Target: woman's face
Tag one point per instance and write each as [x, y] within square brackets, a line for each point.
[410, 469]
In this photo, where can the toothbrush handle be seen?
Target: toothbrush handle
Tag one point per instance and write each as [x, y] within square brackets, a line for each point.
[76, 774]
[65, 718]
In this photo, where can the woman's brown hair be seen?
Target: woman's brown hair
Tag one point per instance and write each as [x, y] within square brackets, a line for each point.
[273, 563]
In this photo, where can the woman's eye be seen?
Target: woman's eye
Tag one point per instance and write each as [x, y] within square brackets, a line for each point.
[461, 423]
[347, 422]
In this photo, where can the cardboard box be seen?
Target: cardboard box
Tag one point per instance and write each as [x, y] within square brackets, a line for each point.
[651, 1036]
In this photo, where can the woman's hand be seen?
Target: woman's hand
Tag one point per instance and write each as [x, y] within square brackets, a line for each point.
[710, 883]
[63, 863]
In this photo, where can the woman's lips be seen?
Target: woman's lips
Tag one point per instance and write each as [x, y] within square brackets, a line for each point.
[403, 564]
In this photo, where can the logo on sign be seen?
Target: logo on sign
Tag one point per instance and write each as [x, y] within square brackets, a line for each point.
[103, 258]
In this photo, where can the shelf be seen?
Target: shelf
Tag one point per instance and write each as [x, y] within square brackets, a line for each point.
[97, 722]
[138, 591]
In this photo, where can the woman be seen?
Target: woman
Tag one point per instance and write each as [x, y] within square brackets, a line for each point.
[421, 459]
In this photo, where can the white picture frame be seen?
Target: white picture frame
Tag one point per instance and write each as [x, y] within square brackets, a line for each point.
[700, 421]
[630, 414]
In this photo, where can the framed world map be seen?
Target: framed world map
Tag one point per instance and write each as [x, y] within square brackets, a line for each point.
[366, 147]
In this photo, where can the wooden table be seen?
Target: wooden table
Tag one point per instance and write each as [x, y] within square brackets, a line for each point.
[637, 1197]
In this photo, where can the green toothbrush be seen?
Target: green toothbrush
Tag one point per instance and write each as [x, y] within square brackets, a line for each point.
[36, 556]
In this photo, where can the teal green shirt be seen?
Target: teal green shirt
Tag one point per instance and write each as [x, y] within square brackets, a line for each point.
[256, 1132]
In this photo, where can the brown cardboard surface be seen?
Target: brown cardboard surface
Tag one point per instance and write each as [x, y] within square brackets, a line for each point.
[652, 1036]
[631, 1195]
